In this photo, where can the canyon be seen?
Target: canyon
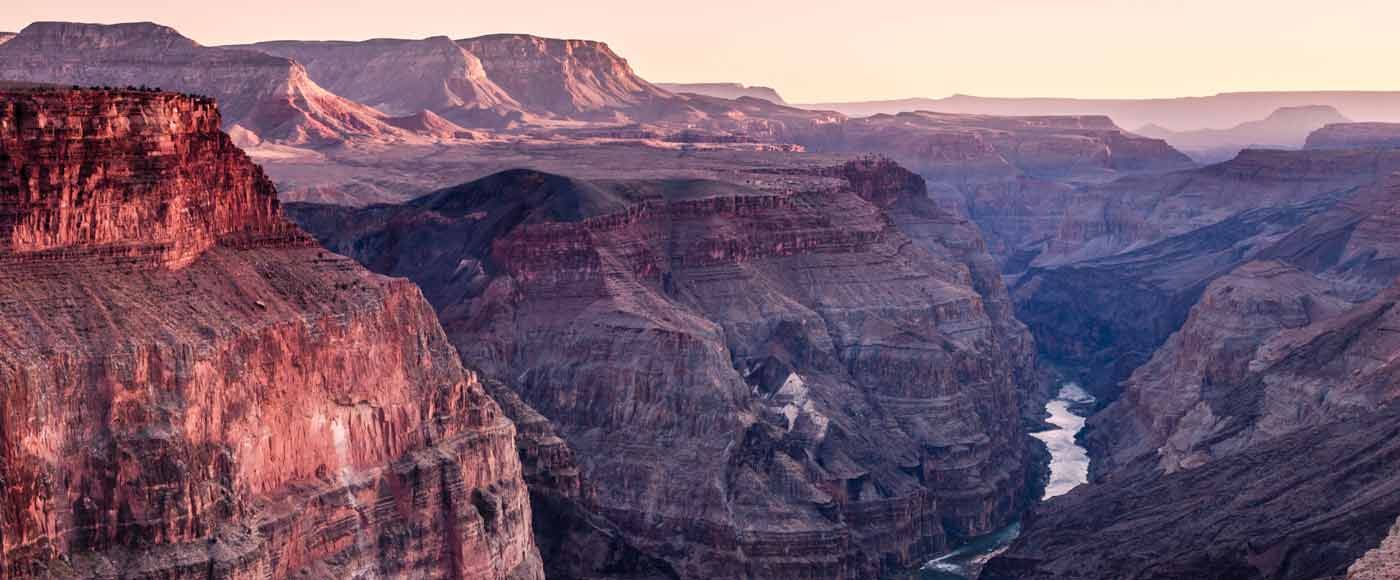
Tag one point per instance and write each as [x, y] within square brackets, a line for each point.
[500, 307]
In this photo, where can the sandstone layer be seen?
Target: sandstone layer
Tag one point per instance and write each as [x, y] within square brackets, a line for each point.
[194, 390]
[811, 378]
[272, 98]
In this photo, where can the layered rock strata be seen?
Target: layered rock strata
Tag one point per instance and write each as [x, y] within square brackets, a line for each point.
[1355, 136]
[1279, 391]
[1132, 258]
[262, 97]
[194, 390]
[813, 379]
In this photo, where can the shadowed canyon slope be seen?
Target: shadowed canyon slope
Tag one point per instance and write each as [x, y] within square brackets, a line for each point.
[1260, 442]
[194, 390]
[1132, 257]
[1274, 384]
[719, 353]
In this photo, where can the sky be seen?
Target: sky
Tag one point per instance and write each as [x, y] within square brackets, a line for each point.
[838, 50]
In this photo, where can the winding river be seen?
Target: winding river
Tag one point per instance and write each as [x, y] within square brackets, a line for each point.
[1069, 467]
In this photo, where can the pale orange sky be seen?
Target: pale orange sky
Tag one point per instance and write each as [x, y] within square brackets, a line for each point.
[854, 50]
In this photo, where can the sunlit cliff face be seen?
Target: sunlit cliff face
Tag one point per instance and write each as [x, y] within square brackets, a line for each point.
[880, 49]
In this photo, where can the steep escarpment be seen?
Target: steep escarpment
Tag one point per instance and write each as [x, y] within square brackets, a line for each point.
[194, 390]
[115, 174]
[271, 97]
[1172, 401]
[566, 77]
[1355, 136]
[945, 146]
[403, 77]
[813, 379]
[1233, 346]
[1125, 269]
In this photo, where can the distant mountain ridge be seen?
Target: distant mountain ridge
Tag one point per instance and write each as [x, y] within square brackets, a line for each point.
[1355, 136]
[486, 81]
[513, 86]
[726, 91]
[1177, 114]
[1285, 128]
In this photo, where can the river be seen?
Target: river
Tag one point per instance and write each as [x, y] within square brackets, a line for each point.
[1069, 468]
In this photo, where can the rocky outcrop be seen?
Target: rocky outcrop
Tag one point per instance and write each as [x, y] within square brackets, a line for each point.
[1380, 563]
[122, 175]
[811, 376]
[1285, 128]
[271, 97]
[1356, 136]
[564, 77]
[401, 77]
[194, 390]
[726, 91]
[431, 124]
[1173, 404]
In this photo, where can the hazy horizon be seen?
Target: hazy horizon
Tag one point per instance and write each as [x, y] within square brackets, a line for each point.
[874, 50]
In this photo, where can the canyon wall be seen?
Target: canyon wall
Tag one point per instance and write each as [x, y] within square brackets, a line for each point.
[814, 378]
[1143, 249]
[194, 390]
[1277, 388]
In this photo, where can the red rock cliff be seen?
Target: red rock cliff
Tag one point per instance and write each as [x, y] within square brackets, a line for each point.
[191, 390]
